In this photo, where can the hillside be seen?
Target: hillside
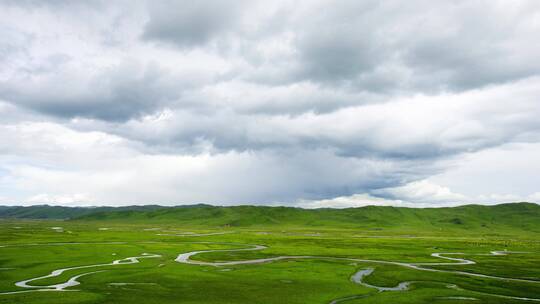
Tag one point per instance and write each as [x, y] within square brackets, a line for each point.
[512, 217]
[521, 216]
[60, 212]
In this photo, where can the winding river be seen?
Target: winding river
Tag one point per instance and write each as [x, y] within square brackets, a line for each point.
[358, 277]
[73, 280]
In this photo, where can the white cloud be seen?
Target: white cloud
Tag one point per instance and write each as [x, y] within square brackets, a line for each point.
[419, 194]
[510, 169]
[353, 201]
[317, 103]
[535, 197]
[424, 192]
[77, 199]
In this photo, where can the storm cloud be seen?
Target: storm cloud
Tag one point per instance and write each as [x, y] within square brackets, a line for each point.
[316, 103]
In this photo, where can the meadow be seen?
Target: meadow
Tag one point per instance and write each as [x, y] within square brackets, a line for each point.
[273, 260]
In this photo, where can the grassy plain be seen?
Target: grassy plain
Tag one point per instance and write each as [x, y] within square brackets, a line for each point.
[32, 248]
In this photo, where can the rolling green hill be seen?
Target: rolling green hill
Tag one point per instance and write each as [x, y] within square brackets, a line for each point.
[520, 216]
[504, 217]
[60, 212]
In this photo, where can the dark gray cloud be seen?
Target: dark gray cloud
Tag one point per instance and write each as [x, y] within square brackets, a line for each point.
[363, 51]
[473, 45]
[189, 24]
[340, 43]
[115, 94]
[423, 129]
[410, 46]
[264, 101]
[51, 3]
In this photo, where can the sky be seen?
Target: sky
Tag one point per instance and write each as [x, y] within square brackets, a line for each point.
[415, 103]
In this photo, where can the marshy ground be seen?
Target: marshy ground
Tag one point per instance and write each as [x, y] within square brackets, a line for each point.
[81, 262]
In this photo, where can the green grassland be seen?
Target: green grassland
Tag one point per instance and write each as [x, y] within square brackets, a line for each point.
[334, 240]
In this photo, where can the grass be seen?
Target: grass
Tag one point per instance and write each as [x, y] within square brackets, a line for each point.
[325, 233]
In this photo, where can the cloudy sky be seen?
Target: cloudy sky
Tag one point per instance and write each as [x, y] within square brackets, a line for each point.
[300, 103]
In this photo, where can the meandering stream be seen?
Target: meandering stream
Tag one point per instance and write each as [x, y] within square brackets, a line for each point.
[185, 258]
[358, 277]
[73, 280]
[361, 274]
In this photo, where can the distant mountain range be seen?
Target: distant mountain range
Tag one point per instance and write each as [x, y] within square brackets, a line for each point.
[512, 216]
